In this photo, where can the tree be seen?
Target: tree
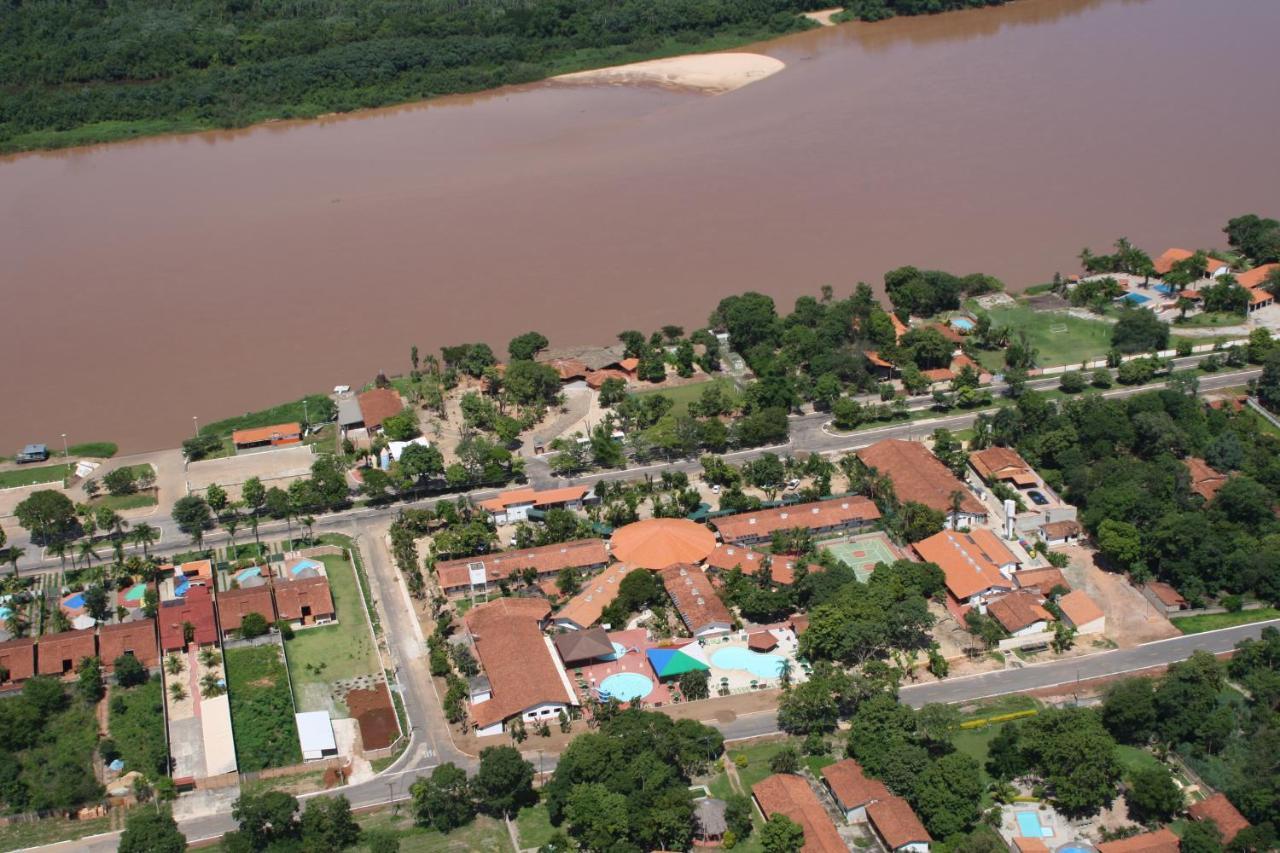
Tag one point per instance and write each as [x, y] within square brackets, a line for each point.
[1073, 382]
[265, 818]
[129, 671]
[808, 707]
[525, 347]
[1004, 756]
[1139, 330]
[1257, 237]
[253, 625]
[780, 834]
[402, 426]
[148, 830]
[947, 795]
[785, 760]
[327, 825]
[1152, 795]
[443, 800]
[191, 513]
[612, 391]
[694, 685]
[145, 535]
[89, 680]
[47, 515]
[1201, 836]
[529, 383]
[121, 481]
[504, 782]
[1129, 711]
[96, 602]
[1074, 754]
[1121, 544]
[738, 814]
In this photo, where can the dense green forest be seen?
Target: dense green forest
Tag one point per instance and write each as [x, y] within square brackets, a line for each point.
[77, 71]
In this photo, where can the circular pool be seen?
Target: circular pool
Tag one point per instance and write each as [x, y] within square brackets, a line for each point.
[626, 686]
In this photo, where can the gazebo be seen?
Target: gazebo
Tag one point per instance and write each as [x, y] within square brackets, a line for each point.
[709, 823]
[762, 641]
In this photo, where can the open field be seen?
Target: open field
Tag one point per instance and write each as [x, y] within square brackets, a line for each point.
[22, 836]
[681, 396]
[32, 475]
[1214, 621]
[1079, 340]
[534, 826]
[1132, 760]
[94, 449]
[137, 727]
[484, 834]
[318, 408]
[118, 503]
[261, 709]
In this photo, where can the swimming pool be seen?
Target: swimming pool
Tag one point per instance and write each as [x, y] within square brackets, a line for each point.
[135, 592]
[251, 572]
[1075, 848]
[1136, 298]
[626, 686]
[180, 588]
[1167, 290]
[764, 666]
[73, 602]
[1030, 827]
[303, 565]
[618, 651]
[963, 323]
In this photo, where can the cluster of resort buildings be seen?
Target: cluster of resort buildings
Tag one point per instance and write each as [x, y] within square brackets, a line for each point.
[1156, 293]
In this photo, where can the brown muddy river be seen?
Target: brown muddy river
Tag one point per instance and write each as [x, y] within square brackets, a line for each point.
[144, 283]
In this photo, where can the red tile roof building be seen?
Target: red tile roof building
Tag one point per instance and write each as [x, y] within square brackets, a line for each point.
[278, 435]
[781, 568]
[1205, 481]
[852, 789]
[136, 638]
[523, 671]
[234, 604]
[60, 654]
[1160, 841]
[1002, 465]
[514, 504]
[701, 610]
[829, 516]
[475, 574]
[896, 824]
[918, 476]
[196, 608]
[1043, 580]
[1019, 611]
[974, 563]
[790, 795]
[1080, 611]
[377, 405]
[597, 593]
[307, 601]
[1220, 810]
[18, 659]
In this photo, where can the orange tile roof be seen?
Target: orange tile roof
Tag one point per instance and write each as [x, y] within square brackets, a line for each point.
[267, 433]
[137, 638]
[1061, 529]
[1205, 481]
[629, 364]
[660, 542]
[899, 328]
[379, 404]
[584, 609]
[1257, 276]
[896, 822]
[53, 649]
[596, 378]
[546, 497]
[516, 659]
[19, 658]
[569, 368]
[811, 516]
[970, 562]
[762, 641]
[545, 559]
[1167, 595]
[918, 475]
[1160, 841]
[852, 787]
[938, 374]
[1220, 810]
[195, 607]
[790, 795]
[1079, 608]
[875, 358]
[1029, 845]
[1002, 463]
[947, 332]
[234, 604]
[1018, 610]
[292, 596]
[1165, 262]
[1043, 579]
[751, 562]
[695, 600]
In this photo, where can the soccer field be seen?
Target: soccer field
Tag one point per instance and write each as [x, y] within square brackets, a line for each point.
[862, 553]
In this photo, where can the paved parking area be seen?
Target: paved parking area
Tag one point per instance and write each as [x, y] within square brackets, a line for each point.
[281, 464]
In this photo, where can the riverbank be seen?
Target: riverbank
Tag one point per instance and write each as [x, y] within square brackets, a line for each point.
[714, 73]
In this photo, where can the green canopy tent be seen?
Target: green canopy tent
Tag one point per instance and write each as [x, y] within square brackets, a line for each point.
[671, 662]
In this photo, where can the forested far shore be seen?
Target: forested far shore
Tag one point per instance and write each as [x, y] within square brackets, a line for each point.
[77, 72]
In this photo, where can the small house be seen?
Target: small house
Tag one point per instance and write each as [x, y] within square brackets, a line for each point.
[235, 604]
[897, 826]
[60, 654]
[852, 789]
[1080, 612]
[136, 639]
[304, 602]
[276, 435]
[1219, 809]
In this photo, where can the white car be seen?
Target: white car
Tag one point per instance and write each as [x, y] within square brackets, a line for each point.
[715, 490]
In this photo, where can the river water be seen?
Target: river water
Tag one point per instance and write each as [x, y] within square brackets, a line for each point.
[148, 282]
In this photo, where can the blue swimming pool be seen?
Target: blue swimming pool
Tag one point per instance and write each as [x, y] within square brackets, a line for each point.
[1030, 827]
[136, 592]
[962, 323]
[5, 612]
[180, 588]
[1167, 290]
[618, 651]
[626, 686]
[74, 602]
[1136, 298]
[303, 565]
[251, 572]
[1075, 848]
[764, 666]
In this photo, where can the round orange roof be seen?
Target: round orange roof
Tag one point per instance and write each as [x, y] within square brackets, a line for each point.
[660, 542]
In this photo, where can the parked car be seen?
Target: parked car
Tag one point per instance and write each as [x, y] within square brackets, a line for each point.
[32, 453]
[792, 485]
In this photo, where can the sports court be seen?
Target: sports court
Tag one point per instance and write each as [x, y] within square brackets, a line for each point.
[861, 553]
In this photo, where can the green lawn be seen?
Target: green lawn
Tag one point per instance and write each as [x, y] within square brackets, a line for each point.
[484, 834]
[682, 396]
[975, 743]
[261, 709]
[318, 408]
[94, 449]
[137, 727]
[1082, 339]
[23, 836]
[1009, 704]
[30, 475]
[1212, 318]
[1214, 621]
[1132, 759]
[758, 756]
[123, 502]
[534, 826]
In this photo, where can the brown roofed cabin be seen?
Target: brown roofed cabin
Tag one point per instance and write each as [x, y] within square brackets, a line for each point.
[852, 789]
[830, 516]
[919, 476]
[475, 575]
[1002, 465]
[1220, 810]
[278, 435]
[1160, 841]
[701, 610]
[377, 405]
[897, 826]
[306, 601]
[790, 795]
[60, 654]
[235, 604]
[194, 609]
[137, 639]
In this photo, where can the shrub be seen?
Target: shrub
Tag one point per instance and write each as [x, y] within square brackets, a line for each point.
[253, 625]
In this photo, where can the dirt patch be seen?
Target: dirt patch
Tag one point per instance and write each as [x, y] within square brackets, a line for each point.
[374, 713]
[1131, 619]
[1047, 302]
[262, 682]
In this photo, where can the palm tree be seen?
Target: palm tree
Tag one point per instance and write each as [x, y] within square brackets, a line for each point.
[12, 555]
[88, 551]
[16, 624]
[59, 549]
[308, 521]
[232, 524]
[145, 535]
[59, 621]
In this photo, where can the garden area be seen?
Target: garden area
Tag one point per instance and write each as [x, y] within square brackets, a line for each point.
[136, 723]
[33, 475]
[322, 655]
[484, 834]
[261, 709]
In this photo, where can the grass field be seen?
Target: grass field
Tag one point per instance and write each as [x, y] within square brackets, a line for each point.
[996, 707]
[1214, 621]
[1082, 339]
[261, 709]
[534, 826]
[94, 449]
[122, 502]
[23, 836]
[30, 475]
[975, 743]
[137, 727]
[318, 408]
[1132, 759]
[682, 396]
[484, 834]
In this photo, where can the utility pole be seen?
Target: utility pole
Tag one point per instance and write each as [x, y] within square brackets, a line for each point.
[196, 422]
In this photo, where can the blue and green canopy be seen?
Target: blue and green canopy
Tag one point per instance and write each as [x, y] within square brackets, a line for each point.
[670, 662]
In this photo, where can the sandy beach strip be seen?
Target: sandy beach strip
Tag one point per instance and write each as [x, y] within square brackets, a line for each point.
[823, 16]
[714, 73]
